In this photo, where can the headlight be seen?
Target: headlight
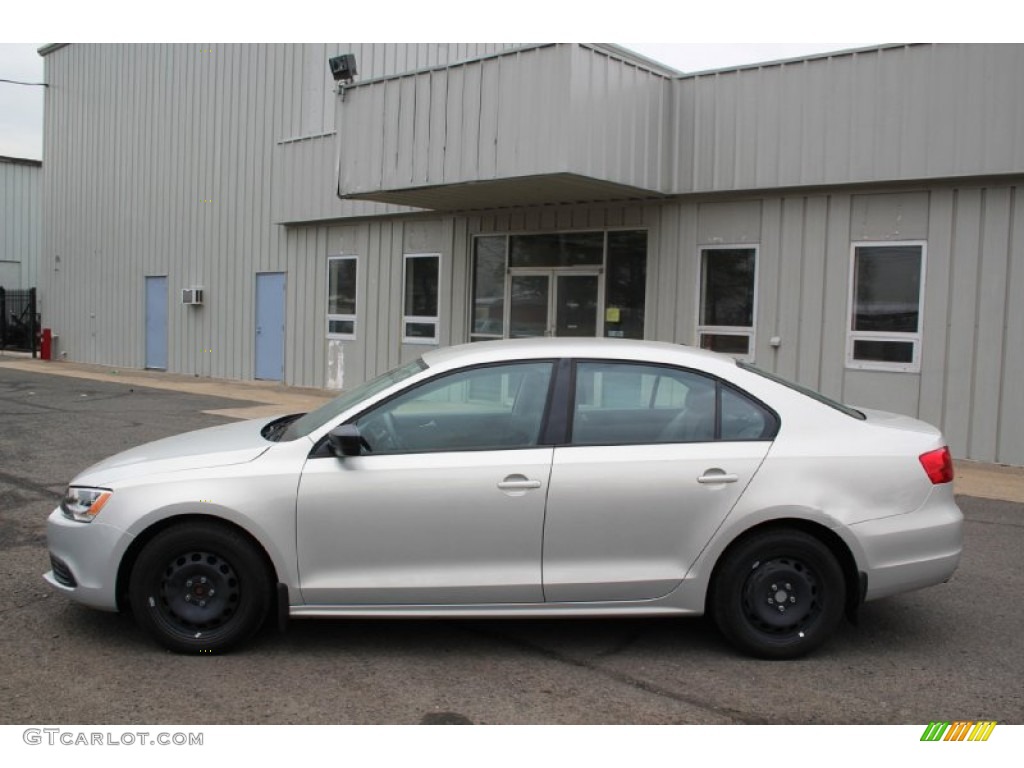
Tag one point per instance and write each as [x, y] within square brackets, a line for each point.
[83, 504]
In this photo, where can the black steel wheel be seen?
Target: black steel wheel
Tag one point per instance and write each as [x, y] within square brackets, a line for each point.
[200, 587]
[778, 594]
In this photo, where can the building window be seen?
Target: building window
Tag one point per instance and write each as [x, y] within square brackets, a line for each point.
[488, 320]
[886, 293]
[625, 284]
[422, 280]
[341, 297]
[728, 300]
[559, 284]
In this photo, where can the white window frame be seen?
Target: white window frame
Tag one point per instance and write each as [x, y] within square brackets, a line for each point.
[406, 319]
[731, 330]
[352, 317]
[914, 366]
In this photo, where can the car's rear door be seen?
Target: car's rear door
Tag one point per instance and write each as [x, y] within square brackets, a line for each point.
[447, 508]
[655, 459]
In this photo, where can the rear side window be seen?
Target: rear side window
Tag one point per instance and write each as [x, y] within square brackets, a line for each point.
[744, 418]
[622, 403]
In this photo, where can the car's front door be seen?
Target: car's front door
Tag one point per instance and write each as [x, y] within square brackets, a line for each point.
[651, 469]
[447, 505]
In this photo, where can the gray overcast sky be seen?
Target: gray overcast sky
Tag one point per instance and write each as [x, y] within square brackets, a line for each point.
[21, 107]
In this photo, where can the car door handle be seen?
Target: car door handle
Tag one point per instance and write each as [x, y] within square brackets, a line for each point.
[518, 483]
[716, 477]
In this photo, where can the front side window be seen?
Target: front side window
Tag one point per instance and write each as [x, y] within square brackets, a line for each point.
[420, 314]
[499, 407]
[886, 290]
[349, 399]
[619, 403]
[727, 300]
[341, 297]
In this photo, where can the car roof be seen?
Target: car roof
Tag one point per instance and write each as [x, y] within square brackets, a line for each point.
[482, 352]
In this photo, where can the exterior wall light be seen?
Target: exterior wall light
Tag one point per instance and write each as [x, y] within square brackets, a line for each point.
[343, 68]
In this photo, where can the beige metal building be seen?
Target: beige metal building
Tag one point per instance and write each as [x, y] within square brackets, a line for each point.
[21, 221]
[850, 221]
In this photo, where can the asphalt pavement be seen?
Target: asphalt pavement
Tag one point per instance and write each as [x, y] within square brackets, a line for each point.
[954, 651]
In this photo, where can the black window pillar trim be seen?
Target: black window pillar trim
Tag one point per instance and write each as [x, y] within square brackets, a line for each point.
[557, 420]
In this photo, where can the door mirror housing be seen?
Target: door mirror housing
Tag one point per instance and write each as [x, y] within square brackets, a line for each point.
[345, 441]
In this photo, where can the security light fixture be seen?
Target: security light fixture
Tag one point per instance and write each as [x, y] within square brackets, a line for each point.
[343, 67]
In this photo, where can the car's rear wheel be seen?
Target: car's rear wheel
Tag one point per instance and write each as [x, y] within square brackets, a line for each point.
[200, 587]
[778, 594]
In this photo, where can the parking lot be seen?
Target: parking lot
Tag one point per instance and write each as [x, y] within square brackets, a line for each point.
[950, 652]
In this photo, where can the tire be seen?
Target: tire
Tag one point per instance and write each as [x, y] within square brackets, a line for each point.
[778, 595]
[200, 587]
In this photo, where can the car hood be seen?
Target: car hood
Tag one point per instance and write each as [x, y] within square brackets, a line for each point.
[204, 448]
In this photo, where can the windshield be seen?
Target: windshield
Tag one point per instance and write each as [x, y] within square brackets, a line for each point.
[852, 412]
[315, 419]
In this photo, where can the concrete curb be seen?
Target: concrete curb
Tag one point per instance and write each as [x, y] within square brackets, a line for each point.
[973, 478]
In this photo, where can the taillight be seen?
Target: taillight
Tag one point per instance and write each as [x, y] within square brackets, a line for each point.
[938, 465]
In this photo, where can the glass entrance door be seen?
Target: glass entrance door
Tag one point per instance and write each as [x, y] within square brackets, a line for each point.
[576, 305]
[529, 305]
[554, 302]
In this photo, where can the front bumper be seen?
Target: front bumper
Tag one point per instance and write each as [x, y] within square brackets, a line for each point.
[89, 553]
[914, 550]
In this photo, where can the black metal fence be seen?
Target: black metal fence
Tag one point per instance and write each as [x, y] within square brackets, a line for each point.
[19, 320]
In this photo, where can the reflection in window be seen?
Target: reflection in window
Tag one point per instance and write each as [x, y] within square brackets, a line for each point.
[504, 262]
[743, 418]
[626, 284]
[886, 306]
[490, 408]
[341, 297]
[489, 288]
[727, 285]
[635, 404]
[420, 321]
[566, 249]
[528, 312]
[629, 403]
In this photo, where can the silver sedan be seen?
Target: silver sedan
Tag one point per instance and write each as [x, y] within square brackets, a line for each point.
[540, 478]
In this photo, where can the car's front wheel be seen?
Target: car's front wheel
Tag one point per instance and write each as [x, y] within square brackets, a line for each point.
[778, 594]
[200, 587]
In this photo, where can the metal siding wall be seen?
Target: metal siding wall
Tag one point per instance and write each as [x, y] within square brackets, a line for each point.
[381, 117]
[812, 292]
[1010, 446]
[963, 310]
[993, 267]
[21, 206]
[894, 113]
[971, 332]
[533, 111]
[938, 298]
[137, 138]
[619, 113]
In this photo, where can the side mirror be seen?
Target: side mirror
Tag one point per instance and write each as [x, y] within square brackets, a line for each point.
[345, 441]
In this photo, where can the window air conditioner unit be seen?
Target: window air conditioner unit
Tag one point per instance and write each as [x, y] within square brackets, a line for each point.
[192, 296]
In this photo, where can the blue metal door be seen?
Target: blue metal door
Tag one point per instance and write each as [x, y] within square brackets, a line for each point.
[270, 326]
[156, 322]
